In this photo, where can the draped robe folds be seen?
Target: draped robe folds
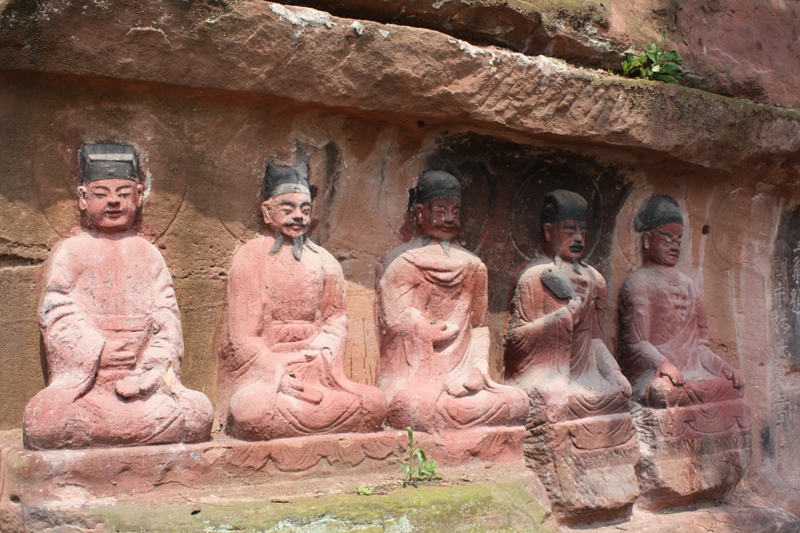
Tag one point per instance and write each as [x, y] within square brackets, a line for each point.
[103, 291]
[662, 316]
[421, 285]
[277, 309]
[561, 361]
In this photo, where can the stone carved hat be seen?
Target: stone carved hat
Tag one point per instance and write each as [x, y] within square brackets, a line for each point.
[432, 184]
[105, 161]
[561, 205]
[658, 211]
[280, 179]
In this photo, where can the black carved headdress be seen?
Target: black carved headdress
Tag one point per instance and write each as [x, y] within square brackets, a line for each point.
[104, 161]
[561, 205]
[432, 184]
[280, 179]
[658, 211]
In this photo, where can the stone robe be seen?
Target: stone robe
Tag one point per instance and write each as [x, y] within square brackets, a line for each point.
[423, 381]
[100, 290]
[560, 361]
[662, 316]
[277, 308]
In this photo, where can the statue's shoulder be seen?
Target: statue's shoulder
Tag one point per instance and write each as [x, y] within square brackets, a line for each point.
[329, 262]
[533, 271]
[389, 259]
[249, 249]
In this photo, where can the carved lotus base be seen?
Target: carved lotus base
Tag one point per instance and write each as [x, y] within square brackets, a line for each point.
[691, 454]
[587, 467]
[77, 476]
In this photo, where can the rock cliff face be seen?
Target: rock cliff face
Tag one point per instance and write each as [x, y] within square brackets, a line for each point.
[372, 92]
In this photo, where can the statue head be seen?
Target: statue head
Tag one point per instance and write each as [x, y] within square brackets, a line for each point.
[564, 224]
[287, 208]
[110, 193]
[661, 223]
[436, 205]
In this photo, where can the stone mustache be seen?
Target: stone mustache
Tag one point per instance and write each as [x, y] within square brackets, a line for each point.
[111, 327]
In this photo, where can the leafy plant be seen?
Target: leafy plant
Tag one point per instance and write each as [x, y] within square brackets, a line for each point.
[363, 491]
[425, 468]
[654, 64]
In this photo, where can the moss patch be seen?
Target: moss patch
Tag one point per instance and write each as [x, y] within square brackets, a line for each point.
[469, 508]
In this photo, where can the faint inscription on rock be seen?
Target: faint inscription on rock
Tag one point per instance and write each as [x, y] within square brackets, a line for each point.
[786, 291]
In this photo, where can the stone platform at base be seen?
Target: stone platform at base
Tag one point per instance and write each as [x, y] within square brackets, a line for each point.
[687, 466]
[75, 476]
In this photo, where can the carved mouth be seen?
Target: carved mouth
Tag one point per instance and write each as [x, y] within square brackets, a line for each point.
[576, 248]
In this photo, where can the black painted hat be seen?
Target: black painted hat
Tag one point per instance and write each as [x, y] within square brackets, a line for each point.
[561, 205]
[658, 211]
[280, 179]
[433, 184]
[105, 161]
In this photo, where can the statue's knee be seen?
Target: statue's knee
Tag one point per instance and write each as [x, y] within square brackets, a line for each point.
[198, 415]
[49, 421]
[661, 393]
[252, 407]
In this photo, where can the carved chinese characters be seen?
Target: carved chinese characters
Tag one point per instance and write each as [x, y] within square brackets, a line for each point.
[580, 430]
[693, 398]
[280, 362]
[111, 328]
[433, 313]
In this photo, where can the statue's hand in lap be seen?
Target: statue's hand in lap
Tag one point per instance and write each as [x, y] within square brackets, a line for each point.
[440, 333]
[139, 385]
[734, 375]
[469, 383]
[665, 368]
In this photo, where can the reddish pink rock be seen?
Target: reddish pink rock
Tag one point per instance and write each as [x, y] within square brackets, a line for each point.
[581, 434]
[433, 314]
[694, 411]
[111, 328]
[281, 369]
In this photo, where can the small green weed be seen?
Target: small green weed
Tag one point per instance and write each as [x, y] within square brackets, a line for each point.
[654, 64]
[363, 491]
[425, 469]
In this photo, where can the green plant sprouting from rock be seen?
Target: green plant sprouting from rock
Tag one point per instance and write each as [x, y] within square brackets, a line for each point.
[654, 64]
[425, 468]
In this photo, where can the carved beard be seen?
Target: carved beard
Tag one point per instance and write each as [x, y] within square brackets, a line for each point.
[297, 245]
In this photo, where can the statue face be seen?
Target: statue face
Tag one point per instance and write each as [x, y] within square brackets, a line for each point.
[440, 217]
[110, 204]
[663, 244]
[566, 239]
[288, 213]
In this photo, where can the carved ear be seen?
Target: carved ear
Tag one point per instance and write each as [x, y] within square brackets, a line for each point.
[265, 212]
[418, 210]
[82, 203]
[547, 230]
[140, 190]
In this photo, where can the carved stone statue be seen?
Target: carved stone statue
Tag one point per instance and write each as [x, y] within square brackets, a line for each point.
[664, 347]
[111, 327]
[691, 395]
[555, 353]
[433, 313]
[281, 368]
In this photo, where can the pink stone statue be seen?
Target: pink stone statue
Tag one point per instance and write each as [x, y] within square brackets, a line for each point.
[664, 347]
[281, 368]
[554, 345]
[581, 437]
[111, 328]
[432, 316]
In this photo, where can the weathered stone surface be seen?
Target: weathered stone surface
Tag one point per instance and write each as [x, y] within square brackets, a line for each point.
[73, 477]
[241, 47]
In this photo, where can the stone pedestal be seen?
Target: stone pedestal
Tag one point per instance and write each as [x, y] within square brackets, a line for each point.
[587, 467]
[691, 454]
[74, 477]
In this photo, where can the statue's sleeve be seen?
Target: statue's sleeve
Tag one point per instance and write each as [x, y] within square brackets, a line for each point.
[333, 309]
[480, 341]
[606, 363]
[166, 342]
[398, 311]
[535, 337]
[710, 361]
[73, 344]
[639, 357]
[245, 311]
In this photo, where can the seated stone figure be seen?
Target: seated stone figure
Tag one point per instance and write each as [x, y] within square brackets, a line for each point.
[281, 368]
[664, 347]
[581, 436]
[111, 328]
[694, 423]
[554, 347]
[433, 313]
